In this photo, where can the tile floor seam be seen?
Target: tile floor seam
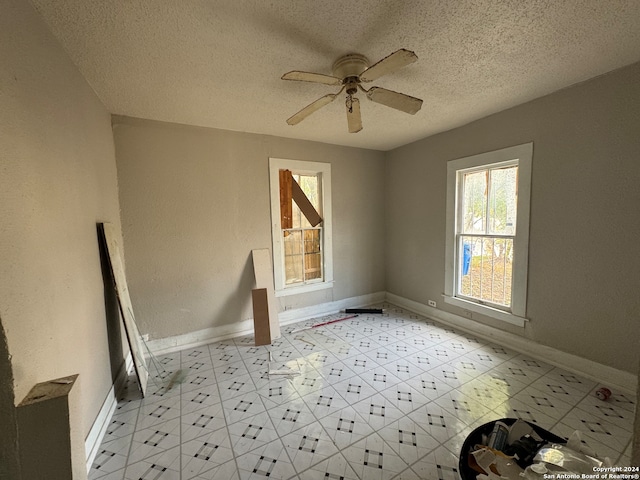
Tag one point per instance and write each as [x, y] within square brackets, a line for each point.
[279, 438]
[226, 422]
[138, 408]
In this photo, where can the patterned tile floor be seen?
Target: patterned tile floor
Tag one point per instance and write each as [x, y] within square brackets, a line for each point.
[375, 397]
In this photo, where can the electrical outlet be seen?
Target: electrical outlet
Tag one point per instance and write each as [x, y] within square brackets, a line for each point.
[432, 303]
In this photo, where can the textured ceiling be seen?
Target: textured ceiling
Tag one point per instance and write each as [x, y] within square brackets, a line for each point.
[218, 63]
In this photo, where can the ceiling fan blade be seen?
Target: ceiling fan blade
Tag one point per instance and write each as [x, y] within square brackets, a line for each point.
[312, 107]
[399, 101]
[354, 119]
[398, 59]
[312, 77]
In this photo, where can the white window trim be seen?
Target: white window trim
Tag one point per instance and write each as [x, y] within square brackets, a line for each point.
[524, 154]
[310, 168]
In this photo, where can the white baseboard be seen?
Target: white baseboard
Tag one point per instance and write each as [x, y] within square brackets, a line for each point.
[612, 377]
[198, 338]
[299, 314]
[99, 427]
[162, 346]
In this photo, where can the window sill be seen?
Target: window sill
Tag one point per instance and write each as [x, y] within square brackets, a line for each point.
[487, 311]
[311, 287]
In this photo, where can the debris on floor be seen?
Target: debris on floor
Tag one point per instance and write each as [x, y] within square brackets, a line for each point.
[368, 311]
[514, 449]
[275, 370]
[323, 324]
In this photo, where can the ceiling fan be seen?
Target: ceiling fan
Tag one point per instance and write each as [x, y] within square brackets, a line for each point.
[350, 71]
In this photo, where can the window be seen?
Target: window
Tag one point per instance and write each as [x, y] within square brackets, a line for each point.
[488, 233]
[301, 225]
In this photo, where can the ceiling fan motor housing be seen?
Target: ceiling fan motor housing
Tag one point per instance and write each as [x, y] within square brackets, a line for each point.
[350, 65]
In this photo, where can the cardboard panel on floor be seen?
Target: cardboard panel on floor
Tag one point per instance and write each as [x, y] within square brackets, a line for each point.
[264, 280]
[134, 338]
[261, 323]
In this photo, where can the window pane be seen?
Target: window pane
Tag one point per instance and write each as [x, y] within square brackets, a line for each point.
[485, 268]
[302, 255]
[503, 201]
[474, 202]
[310, 187]
[312, 255]
[293, 258]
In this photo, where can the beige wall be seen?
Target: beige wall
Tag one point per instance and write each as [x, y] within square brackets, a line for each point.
[57, 179]
[195, 202]
[9, 463]
[584, 266]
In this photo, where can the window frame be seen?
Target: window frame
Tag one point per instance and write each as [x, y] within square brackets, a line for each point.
[521, 155]
[303, 168]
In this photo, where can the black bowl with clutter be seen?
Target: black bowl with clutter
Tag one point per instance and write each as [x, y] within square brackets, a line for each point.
[523, 448]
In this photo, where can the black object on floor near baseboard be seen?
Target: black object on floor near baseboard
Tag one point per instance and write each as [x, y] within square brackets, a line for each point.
[364, 310]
